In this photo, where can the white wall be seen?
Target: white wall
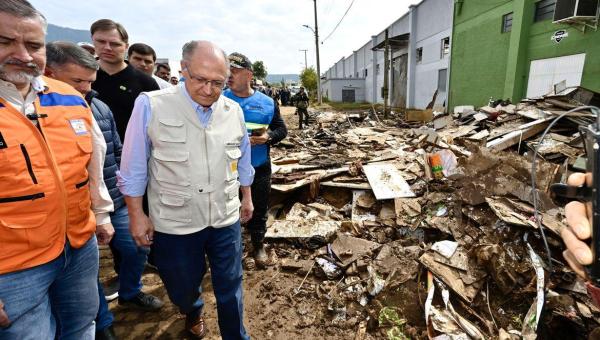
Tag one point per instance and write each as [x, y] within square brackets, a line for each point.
[349, 67]
[426, 72]
[332, 88]
[431, 22]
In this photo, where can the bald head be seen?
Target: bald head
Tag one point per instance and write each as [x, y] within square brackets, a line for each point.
[202, 49]
[205, 67]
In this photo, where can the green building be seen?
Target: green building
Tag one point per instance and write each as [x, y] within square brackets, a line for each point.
[512, 49]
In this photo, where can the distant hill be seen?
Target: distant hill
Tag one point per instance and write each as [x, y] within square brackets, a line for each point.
[56, 33]
[276, 78]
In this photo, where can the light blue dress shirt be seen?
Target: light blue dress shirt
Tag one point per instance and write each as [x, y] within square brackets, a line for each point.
[133, 175]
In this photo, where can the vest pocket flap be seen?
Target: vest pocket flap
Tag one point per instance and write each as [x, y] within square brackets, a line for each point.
[232, 190]
[233, 153]
[171, 156]
[173, 200]
[26, 221]
[85, 146]
[171, 122]
[172, 131]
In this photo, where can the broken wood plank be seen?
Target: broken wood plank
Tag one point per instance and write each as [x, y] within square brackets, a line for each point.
[479, 135]
[451, 277]
[347, 185]
[302, 229]
[348, 249]
[387, 181]
[506, 213]
[318, 175]
[522, 133]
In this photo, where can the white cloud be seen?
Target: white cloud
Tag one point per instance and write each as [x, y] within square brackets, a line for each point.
[268, 30]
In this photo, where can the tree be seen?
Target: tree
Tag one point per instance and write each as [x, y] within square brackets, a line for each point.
[260, 71]
[308, 78]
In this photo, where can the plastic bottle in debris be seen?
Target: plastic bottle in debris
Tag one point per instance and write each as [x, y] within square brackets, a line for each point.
[437, 169]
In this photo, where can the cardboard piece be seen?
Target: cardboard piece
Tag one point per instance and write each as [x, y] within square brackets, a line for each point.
[419, 115]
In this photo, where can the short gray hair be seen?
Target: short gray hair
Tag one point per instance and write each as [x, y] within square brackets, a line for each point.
[22, 9]
[190, 46]
[59, 53]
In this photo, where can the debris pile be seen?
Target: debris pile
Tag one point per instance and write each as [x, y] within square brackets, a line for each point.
[427, 230]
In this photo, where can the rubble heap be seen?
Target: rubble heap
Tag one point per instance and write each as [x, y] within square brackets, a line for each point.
[426, 229]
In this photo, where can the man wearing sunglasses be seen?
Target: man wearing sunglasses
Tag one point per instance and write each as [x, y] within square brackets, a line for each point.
[189, 144]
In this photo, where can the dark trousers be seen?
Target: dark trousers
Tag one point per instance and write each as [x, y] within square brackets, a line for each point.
[181, 265]
[261, 190]
[302, 115]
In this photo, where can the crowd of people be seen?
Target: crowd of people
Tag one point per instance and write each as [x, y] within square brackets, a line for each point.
[99, 145]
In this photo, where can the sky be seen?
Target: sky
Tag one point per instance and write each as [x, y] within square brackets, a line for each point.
[267, 30]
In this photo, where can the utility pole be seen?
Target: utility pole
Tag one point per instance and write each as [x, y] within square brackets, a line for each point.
[318, 61]
[305, 63]
[386, 65]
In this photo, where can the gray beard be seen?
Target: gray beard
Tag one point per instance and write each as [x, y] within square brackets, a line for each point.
[19, 77]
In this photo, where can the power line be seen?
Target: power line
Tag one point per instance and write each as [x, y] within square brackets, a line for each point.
[339, 22]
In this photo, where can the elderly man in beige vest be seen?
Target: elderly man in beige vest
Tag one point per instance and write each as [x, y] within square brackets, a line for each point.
[188, 145]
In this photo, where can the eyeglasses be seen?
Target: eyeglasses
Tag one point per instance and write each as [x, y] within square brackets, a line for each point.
[218, 84]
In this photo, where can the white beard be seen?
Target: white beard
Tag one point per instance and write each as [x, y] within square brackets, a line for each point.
[21, 77]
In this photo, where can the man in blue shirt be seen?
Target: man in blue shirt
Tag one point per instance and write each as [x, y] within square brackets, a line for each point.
[189, 146]
[265, 127]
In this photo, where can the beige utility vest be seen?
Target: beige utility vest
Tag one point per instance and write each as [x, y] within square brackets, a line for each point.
[193, 177]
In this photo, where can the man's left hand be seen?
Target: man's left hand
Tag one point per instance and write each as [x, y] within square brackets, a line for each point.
[258, 140]
[247, 210]
[104, 233]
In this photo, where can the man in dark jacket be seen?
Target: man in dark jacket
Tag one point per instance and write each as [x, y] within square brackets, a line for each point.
[301, 101]
[73, 65]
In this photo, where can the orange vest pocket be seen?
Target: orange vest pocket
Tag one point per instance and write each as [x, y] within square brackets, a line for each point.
[21, 233]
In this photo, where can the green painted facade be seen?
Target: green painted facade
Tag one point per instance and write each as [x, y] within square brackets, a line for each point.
[488, 63]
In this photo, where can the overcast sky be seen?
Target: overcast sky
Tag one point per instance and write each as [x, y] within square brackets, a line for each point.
[267, 30]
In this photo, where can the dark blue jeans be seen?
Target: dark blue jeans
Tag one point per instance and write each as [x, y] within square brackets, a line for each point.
[181, 264]
[131, 266]
[60, 293]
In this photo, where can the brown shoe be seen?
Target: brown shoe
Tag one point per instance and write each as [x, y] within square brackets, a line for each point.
[195, 326]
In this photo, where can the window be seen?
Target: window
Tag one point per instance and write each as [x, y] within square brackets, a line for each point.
[419, 55]
[377, 69]
[445, 50]
[366, 73]
[544, 10]
[507, 22]
[442, 77]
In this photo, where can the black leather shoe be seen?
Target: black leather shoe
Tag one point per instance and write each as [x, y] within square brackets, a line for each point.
[106, 334]
[142, 301]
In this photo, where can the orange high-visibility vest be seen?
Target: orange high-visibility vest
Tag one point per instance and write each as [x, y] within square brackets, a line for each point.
[44, 191]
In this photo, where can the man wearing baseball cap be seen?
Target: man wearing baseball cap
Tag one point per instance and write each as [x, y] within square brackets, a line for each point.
[266, 128]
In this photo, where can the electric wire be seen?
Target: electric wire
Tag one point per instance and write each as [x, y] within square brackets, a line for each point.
[533, 173]
[339, 22]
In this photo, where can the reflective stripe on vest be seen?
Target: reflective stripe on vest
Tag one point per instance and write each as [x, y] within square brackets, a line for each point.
[45, 194]
[259, 110]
